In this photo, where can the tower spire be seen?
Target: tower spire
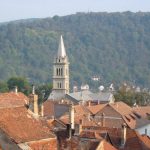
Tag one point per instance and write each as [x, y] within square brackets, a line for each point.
[61, 48]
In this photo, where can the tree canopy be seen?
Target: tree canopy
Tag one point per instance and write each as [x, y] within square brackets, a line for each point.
[114, 46]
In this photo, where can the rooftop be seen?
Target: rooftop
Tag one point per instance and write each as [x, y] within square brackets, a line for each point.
[12, 99]
[19, 124]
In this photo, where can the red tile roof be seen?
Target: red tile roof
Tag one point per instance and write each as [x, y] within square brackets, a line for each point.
[12, 99]
[19, 124]
[144, 111]
[95, 108]
[49, 144]
[104, 145]
[121, 108]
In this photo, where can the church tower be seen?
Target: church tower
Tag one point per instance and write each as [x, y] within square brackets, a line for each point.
[60, 73]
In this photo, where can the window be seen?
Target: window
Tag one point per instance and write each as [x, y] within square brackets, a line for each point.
[145, 131]
[61, 71]
[57, 71]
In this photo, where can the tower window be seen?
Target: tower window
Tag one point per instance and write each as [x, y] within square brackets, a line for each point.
[59, 60]
[61, 71]
[57, 71]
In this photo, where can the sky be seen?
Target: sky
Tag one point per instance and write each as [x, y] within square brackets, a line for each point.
[23, 9]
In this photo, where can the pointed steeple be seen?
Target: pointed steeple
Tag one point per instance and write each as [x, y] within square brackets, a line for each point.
[61, 48]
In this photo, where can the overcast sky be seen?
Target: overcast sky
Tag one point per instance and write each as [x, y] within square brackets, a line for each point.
[22, 9]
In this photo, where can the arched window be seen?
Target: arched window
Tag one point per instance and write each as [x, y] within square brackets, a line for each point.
[57, 71]
[60, 85]
[61, 71]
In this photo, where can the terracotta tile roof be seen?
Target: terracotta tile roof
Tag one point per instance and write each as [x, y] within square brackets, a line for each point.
[50, 144]
[144, 111]
[121, 108]
[12, 99]
[21, 126]
[104, 145]
[81, 110]
[94, 109]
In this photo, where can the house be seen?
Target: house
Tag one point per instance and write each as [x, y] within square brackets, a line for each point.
[19, 128]
[114, 115]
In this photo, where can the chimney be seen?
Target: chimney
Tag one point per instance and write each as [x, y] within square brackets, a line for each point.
[16, 89]
[89, 116]
[71, 116]
[124, 134]
[89, 103]
[71, 120]
[103, 120]
[80, 126]
[42, 110]
[33, 90]
[33, 101]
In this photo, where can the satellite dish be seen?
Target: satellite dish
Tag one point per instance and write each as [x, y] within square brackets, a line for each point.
[101, 88]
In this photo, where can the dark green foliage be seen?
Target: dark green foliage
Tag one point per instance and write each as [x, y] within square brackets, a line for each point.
[22, 84]
[43, 91]
[114, 46]
[3, 87]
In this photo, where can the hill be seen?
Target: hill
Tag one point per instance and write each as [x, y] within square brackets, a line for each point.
[115, 46]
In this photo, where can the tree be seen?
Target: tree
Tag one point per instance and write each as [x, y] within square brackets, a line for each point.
[43, 92]
[22, 84]
[3, 87]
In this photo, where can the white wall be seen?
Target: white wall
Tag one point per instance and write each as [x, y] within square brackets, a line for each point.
[142, 130]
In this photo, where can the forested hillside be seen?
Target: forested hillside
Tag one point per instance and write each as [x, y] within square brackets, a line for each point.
[115, 46]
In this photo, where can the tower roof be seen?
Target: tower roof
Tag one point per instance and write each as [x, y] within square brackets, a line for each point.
[61, 48]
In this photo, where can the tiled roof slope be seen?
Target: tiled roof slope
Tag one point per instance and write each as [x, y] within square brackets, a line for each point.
[104, 145]
[144, 111]
[50, 144]
[21, 126]
[12, 99]
[95, 108]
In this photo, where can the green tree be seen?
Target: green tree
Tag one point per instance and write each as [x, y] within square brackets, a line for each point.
[3, 87]
[22, 84]
[43, 91]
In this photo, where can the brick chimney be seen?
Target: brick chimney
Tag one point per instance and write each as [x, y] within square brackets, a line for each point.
[124, 135]
[33, 101]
